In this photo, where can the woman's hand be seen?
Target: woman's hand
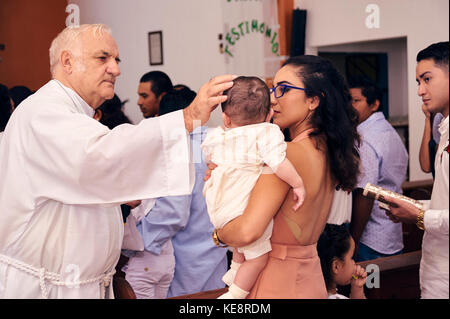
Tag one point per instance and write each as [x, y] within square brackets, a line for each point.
[265, 200]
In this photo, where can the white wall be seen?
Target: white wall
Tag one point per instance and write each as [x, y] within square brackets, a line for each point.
[191, 55]
[331, 22]
[397, 64]
[190, 40]
[190, 43]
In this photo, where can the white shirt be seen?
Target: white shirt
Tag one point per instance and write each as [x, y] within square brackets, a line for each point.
[341, 208]
[434, 262]
[64, 176]
[337, 296]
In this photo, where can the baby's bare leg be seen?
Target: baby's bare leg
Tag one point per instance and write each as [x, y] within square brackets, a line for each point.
[248, 272]
[238, 257]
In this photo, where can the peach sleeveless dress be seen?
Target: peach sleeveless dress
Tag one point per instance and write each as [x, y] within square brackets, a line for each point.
[293, 271]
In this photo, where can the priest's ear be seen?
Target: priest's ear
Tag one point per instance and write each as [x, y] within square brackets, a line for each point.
[67, 61]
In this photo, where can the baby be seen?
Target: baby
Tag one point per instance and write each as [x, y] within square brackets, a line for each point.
[240, 149]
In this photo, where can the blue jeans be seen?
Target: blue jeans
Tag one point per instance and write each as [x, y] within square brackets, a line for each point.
[367, 253]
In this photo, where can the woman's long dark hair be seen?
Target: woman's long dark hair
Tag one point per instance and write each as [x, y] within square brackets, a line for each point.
[334, 117]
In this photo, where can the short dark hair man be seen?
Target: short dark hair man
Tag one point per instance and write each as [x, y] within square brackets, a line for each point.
[152, 87]
[432, 80]
[384, 162]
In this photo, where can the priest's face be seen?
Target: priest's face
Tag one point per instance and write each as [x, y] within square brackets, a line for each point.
[95, 71]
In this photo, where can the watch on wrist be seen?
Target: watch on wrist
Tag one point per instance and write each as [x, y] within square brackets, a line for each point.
[419, 222]
[216, 239]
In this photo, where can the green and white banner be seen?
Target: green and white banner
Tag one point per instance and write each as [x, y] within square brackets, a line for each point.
[250, 39]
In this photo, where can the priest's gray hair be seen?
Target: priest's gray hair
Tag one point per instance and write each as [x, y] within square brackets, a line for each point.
[69, 40]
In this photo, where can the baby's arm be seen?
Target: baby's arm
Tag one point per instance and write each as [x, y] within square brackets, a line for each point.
[287, 172]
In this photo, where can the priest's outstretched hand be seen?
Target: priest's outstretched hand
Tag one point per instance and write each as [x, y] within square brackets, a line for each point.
[208, 98]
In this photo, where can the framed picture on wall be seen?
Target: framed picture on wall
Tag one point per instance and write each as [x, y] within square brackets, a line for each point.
[155, 48]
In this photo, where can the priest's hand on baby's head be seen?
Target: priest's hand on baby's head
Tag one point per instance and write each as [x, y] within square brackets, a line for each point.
[208, 98]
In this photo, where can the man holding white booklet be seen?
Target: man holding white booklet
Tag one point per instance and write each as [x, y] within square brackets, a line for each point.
[433, 87]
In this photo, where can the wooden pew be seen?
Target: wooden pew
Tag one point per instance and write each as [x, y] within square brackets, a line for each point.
[420, 190]
[399, 276]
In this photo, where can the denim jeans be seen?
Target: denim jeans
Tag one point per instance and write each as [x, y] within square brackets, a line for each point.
[367, 253]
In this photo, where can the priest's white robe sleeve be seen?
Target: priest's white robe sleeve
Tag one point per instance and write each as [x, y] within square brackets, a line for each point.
[76, 160]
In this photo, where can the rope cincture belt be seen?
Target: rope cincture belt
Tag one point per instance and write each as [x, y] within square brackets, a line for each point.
[55, 278]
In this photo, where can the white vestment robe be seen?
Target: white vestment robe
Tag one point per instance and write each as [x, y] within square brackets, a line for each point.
[63, 176]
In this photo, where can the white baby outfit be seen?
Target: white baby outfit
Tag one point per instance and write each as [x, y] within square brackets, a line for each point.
[240, 154]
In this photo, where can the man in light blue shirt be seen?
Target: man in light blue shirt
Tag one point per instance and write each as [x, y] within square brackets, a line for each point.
[384, 162]
[181, 222]
[200, 264]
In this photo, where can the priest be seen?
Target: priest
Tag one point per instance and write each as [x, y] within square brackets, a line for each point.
[64, 175]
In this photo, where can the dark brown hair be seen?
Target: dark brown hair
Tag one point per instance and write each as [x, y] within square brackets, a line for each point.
[248, 101]
[333, 243]
[334, 118]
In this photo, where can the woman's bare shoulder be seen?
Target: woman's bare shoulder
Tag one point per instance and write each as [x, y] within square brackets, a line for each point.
[310, 163]
[304, 152]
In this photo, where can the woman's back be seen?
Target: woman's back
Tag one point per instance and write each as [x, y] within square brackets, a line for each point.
[293, 270]
[306, 224]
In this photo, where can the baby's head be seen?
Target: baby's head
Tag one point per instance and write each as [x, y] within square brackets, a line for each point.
[335, 248]
[248, 102]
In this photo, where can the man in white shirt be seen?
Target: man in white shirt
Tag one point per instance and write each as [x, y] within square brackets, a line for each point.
[432, 78]
[64, 175]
